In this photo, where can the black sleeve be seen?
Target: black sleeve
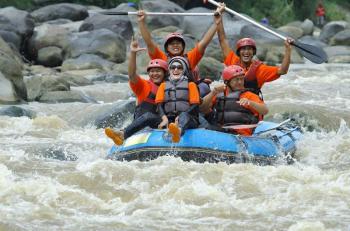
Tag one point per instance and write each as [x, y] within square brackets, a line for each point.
[161, 109]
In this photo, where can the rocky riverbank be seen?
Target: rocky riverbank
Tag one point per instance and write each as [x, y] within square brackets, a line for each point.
[45, 53]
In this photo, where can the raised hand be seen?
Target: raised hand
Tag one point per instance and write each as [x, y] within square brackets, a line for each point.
[164, 122]
[141, 15]
[134, 46]
[218, 13]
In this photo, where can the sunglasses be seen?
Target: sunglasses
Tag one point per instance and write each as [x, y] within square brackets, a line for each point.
[173, 67]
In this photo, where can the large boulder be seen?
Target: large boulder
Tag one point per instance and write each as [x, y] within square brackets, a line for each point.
[307, 26]
[16, 26]
[50, 56]
[154, 22]
[292, 31]
[120, 25]
[86, 61]
[70, 11]
[115, 115]
[210, 68]
[39, 80]
[338, 54]
[341, 38]
[7, 92]
[65, 97]
[197, 25]
[102, 42]
[11, 68]
[331, 29]
[15, 111]
[259, 35]
[48, 35]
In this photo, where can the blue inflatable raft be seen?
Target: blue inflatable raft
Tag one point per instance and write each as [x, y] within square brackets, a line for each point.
[270, 142]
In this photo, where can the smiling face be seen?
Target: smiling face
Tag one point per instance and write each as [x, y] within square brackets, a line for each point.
[176, 70]
[246, 54]
[236, 83]
[175, 47]
[156, 75]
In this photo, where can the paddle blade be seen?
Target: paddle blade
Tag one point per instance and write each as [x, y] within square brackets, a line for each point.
[312, 53]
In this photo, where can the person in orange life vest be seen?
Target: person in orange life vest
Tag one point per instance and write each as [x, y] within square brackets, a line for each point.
[145, 90]
[178, 100]
[257, 73]
[320, 13]
[233, 103]
[175, 43]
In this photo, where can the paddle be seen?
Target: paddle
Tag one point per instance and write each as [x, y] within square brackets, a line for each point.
[241, 126]
[275, 127]
[155, 13]
[312, 53]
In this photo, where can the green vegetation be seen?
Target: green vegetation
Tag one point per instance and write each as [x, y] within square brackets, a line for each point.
[279, 12]
[33, 4]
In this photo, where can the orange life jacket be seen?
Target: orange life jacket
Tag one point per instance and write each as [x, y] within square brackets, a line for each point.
[250, 80]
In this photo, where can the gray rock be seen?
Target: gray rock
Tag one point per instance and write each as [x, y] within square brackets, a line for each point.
[15, 111]
[38, 84]
[11, 68]
[87, 61]
[19, 22]
[341, 38]
[48, 35]
[70, 11]
[331, 29]
[291, 31]
[50, 56]
[162, 6]
[65, 97]
[307, 26]
[120, 25]
[210, 68]
[116, 115]
[7, 91]
[197, 25]
[102, 42]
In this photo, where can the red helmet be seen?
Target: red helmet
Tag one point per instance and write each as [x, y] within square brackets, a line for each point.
[245, 42]
[174, 35]
[158, 63]
[231, 72]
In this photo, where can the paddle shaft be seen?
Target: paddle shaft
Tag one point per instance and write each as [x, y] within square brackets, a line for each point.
[241, 126]
[249, 20]
[156, 13]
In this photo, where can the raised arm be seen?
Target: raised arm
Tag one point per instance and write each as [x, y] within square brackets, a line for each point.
[134, 48]
[225, 46]
[202, 45]
[146, 35]
[283, 69]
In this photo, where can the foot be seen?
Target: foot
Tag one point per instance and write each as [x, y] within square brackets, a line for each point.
[175, 131]
[116, 136]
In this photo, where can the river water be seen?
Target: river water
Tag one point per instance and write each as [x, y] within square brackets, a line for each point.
[42, 193]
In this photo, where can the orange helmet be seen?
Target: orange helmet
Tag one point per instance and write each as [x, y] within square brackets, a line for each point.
[158, 63]
[174, 35]
[245, 42]
[231, 72]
